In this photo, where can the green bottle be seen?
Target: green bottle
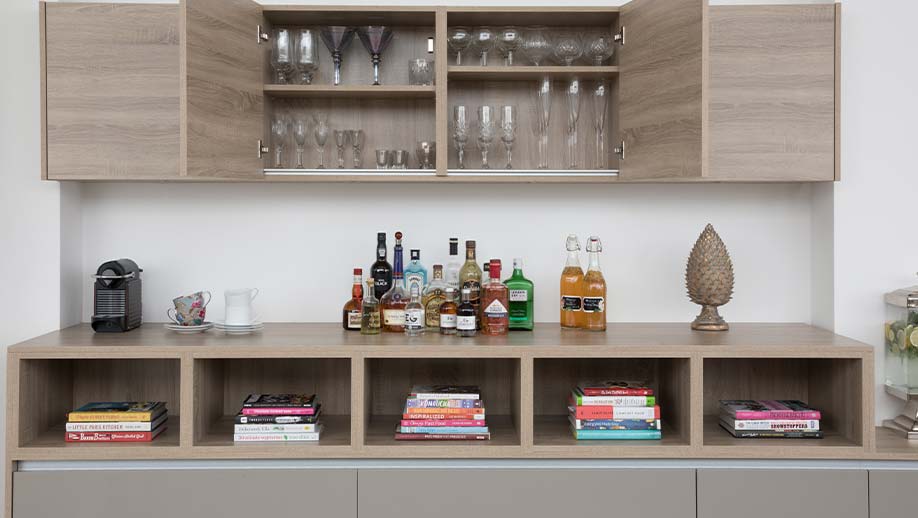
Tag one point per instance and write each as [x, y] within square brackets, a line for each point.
[521, 299]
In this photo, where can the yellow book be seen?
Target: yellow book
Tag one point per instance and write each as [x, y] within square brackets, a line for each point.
[110, 412]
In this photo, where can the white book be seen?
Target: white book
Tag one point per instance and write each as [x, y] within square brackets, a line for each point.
[775, 425]
[278, 437]
[140, 426]
[281, 428]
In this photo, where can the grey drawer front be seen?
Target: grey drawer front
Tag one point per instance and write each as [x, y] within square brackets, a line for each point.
[892, 494]
[185, 493]
[728, 493]
[460, 493]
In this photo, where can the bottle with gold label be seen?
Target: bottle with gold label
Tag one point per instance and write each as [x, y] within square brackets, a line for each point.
[434, 296]
[572, 286]
[351, 315]
[594, 290]
[470, 276]
[369, 322]
[392, 304]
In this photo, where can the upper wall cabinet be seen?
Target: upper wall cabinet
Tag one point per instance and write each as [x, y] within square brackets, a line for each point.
[695, 93]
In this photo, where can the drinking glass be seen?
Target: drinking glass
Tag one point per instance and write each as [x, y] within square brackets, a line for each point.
[600, 47]
[399, 159]
[427, 154]
[420, 71]
[573, 115]
[357, 138]
[600, 97]
[486, 129]
[508, 125]
[536, 44]
[459, 39]
[483, 40]
[300, 133]
[282, 56]
[320, 121]
[541, 103]
[509, 39]
[341, 143]
[279, 128]
[383, 158]
[337, 38]
[375, 39]
[568, 47]
[307, 54]
[460, 125]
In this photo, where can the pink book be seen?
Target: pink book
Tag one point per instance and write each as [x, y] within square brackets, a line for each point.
[769, 409]
[279, 411]
[442, 422]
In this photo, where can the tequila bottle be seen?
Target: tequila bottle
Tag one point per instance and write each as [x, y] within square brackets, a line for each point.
[414, 314]
[448, 313]
[394, 301]
[453, 265]
[521, 298]
[369, 322]
[470, 275]
[594, 290]
[495, 316]
[415, 273]
[466, 315]
[381, 271]
[572, 286]
[434, 296]
[352, 314]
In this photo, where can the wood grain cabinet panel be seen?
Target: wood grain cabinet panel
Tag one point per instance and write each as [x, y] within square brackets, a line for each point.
[892, 493]
[533, 493]
[754, 493]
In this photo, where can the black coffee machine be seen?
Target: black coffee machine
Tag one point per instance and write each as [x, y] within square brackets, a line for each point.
[117, 303]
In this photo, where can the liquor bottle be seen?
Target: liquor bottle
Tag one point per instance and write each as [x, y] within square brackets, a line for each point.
[466, 315]
[521, 298]
[470, 275]
[434, 296]
[394, 301]
[381, 271]
[594, 290]
[352, 313]
[414, 314]
[448, 311]
[415, 273]
[495, 296]
[453, 265]
[369, 320]
[572, 286]
[485, 278]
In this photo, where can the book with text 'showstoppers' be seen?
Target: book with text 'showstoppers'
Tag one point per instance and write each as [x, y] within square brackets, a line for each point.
[445, 392]
[278, 411]
[768, 409]
[614, 412]
[439, 416]
[770, 434]
[113, 436]
[775, 425]
[117, 411]
[444, 403]
[579, 398]
[614, 388]
[279, 400]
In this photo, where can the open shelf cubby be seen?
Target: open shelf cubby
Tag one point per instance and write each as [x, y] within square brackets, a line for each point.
[54, 387]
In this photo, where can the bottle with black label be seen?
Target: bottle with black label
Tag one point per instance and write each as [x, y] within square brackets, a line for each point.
[572, 286]
[466, 315]
[594, 290]
[381, 271]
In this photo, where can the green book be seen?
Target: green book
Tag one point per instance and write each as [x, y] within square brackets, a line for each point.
[621, 401]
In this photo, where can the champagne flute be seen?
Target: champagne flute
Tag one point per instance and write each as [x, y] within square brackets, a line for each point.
[486, 124]
[307, 55]
[300, 133]
[357, 138]
[508, 123]
[282, 56]
[341, 143]
[541, 102]
[320, 121]
[573, 112]
[459, 39]
[600, 97]
[460, 124]
[279, 128]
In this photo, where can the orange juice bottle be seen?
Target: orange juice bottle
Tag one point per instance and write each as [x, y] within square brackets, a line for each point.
[594, 290]
[572, 286]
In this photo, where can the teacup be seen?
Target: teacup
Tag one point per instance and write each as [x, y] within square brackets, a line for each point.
[190, 310]
[239, 309]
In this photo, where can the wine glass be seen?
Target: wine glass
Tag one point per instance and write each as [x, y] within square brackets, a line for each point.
[375, 39]
[541, 103]
[573, 115]
[600, 97]
[320, 122]
[460, 126]
[483, 40]
[600, 47]
[459, 39]
[536, 44]
[306, 55]
[282, 56]
[300, 133]
[357, 138]
[508, 124]
[509, 39]
[486, 128]
[568, 47]
[337, 38]
[279, 127]
[341, 143]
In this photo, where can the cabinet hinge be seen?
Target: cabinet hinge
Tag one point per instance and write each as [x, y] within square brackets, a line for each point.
[262, 148]
[261, 35]
[620, 37]
[620, 150]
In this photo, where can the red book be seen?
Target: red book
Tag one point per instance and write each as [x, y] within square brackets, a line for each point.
[279, 411]
[448, 417]
[614, 388]
[442, 436]
[112, 436]
[615, 412]
[443, 422]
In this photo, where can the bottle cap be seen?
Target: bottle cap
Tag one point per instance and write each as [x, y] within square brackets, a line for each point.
[494, 266]
[398, 236]
[415, 254]
[358, 271]
[595, 245]
[438, 267]
[517, 263]
[454, 246]
[470, 244]
[573, 243]
[380, 236]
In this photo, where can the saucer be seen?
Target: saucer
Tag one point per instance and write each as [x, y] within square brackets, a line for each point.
[239, 329]
[189, 330]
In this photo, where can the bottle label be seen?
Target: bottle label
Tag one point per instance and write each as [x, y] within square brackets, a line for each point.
[394, 317]
[495, 309]
[475, 286]
[448, 321]
[571, 303]
[371, 320]
[432, 310]
[414, 318]
[414, 279]
[519, 295]
[465, 323]
[354, 318]
[594, 304]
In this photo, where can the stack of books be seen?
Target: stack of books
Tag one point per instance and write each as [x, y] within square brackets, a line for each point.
[278, 418]
[117, 421]
[614, 410]
[443, 413]
[779, 419]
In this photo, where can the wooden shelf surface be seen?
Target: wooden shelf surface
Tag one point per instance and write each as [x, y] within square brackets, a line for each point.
[350, 91]
[520, 73]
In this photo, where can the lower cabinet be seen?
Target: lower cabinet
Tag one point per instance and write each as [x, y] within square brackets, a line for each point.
[533, 493]
[218, 493]
[764, 493]
[892, 493]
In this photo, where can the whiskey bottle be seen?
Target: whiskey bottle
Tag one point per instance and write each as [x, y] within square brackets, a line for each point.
[415, 273]
[414, 314]
[572, 286]
[434, 296]
[495, 314]
[466, 315]
[369, 321]
[381, 271]
[521, 299]
[448, 311]
[352, 313]
[394, 301]
[594, 290]
[453, 265]
[470, 275]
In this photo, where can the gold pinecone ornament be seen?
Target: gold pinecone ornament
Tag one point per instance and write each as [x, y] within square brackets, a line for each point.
[709, 280]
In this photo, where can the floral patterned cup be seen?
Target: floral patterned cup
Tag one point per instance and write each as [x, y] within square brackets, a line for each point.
[190, 310]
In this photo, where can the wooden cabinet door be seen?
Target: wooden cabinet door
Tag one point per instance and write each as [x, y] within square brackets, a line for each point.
[661, 85]
[222, 88]
[110, 91]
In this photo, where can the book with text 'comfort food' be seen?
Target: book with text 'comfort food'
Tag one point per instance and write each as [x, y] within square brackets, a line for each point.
[614, 388]
[117, 411]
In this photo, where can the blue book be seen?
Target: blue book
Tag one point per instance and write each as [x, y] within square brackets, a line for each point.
[443, 429]
[622, 435]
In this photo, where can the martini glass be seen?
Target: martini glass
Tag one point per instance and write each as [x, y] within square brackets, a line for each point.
[509, 39]
[483, 41]
[459, 39]
[337, 38]
[375, 39]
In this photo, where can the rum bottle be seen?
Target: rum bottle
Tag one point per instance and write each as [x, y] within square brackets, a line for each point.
[495, 315]
[352, 313]
[470, 275]
[594, 290]
[448, 312]
[521, 299]
[415, 273]
[434, 296]
[369, 321]
[381, 271]
[394, 301]
[572, 286]
[466, 315]
[414, 314]
[453, 265]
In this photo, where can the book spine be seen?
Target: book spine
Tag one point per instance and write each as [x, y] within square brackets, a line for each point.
[441, 416]
[443, 429]
[613, 424]
[616, 412]
[279, 411]
[616, 400]
[276, 419]
[447, 411]
[617, 434]
[110, 427]
[109, 436]
[271, 428]
[442, 436]
[808, 425]
[444, 403]
[275, 437]
[617, 391]
[769, 434]
[442, 422]
[109, 417]
[777, 414]
[434, 395]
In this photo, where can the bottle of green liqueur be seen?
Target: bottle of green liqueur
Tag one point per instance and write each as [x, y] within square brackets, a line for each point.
[521, 299]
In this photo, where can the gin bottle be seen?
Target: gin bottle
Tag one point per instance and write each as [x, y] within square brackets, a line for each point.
[415, 273]
[453, 265]
[414, 314]
[521, 298]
